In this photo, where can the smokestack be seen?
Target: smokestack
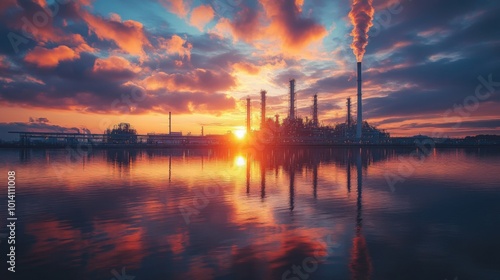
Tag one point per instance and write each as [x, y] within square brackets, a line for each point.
[248, 115]
[315, 110]
[291, 114]
[360, 109]
[169, 123]
[262, 109]
[348, 112]
[361, 16]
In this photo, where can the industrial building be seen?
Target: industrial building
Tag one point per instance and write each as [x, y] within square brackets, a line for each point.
[294, 130]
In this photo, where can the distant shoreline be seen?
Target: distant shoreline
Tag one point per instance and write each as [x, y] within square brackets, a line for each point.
[211, 146]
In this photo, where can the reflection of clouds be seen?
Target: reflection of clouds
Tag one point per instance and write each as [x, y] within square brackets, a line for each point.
[60, 243]
[236, 235]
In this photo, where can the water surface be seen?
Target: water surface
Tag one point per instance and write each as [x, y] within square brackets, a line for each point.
[274, 214]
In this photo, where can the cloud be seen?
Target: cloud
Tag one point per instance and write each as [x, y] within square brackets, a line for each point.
[281, 21]
[197, 80]
[244, 26]
[190, 102]
[38, 120]
[287, 23]
[35, 23]
[176, 45]
[247, 68]
[128, 35]
[115, 64]
[178, 7]
[43, 57]
[201, 15]
[413, 69]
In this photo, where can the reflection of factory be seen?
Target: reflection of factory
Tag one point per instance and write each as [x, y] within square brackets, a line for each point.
[294, 129]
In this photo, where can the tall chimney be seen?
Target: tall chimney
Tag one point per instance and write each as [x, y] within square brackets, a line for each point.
[348, 112]
[291, 114]
[248, 116]
[315, 110]
[169, 123]
[262, 109]
[360, 109]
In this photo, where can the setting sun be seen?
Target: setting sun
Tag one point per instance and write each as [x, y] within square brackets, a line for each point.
[240, 133]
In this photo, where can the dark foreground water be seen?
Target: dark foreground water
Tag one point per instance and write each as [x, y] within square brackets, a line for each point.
[283, 214]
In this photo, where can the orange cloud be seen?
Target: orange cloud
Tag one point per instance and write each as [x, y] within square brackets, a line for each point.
[299, 4]
[178, 7]
[247, 68]
[176, 45]
[49, 33]
[197, 80]
[281, 22]
[201, 15]
[245, 26]
[128, 35]
[114, 64]
[43, 57]
[295, 31]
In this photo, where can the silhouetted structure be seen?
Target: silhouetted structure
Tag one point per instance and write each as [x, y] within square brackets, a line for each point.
[360, 109]
[248, 116]
[315, 110]
[349, 118]
[291, 113]
[122, 133]
[169, 122]
[262, 109]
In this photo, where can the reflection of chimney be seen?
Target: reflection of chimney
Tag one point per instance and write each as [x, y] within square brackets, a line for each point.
[292, 187]
[315, 110]
[247, 162]
[248, 115]
[262, 180]
[348, 171]
[169, 122]
[262, 109]
[315, 179]
[291, 114]
[360, 110]
[360, 264]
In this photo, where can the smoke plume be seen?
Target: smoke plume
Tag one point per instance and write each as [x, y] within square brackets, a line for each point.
[361, 16]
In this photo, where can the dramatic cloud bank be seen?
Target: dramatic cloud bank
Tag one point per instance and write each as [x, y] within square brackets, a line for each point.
[427, 66]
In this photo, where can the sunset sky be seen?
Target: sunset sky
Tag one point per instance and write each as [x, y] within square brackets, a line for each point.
[91, 64]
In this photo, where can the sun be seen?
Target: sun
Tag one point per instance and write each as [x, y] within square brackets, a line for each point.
[240, 133]
[240, 161]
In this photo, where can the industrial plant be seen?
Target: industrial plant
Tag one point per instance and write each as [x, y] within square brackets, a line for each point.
[292, 130]
[295, 130]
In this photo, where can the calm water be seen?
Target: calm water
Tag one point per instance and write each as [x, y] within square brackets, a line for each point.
[283, 214]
